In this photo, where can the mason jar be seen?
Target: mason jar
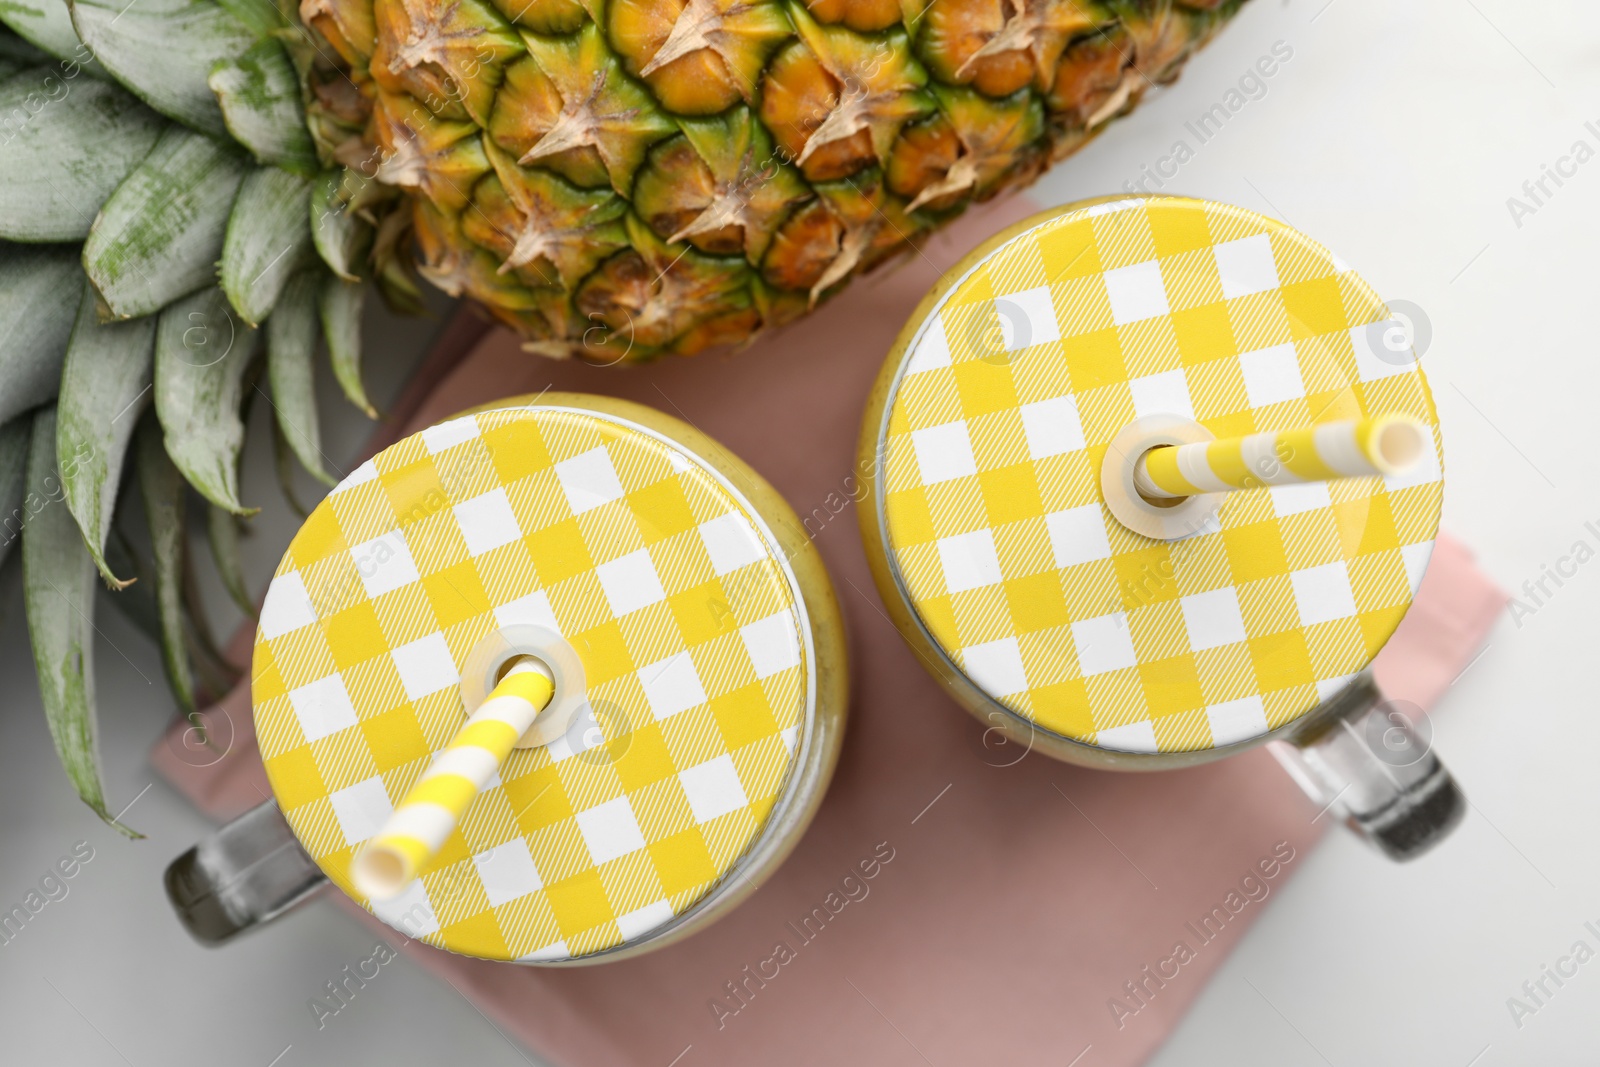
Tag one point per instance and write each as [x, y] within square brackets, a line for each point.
[1083, 621]
[711, 685]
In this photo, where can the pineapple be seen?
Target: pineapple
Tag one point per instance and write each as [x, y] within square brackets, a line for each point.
[186, 183]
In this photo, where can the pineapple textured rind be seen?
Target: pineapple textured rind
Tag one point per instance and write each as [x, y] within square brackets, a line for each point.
[745, 135]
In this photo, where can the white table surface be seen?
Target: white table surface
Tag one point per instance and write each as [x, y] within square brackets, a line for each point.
[1395, 133]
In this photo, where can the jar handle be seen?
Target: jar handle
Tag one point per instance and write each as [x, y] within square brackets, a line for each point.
[1363, 758]
[248, 872]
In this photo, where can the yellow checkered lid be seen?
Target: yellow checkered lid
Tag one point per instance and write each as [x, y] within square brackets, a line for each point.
[663, 579]
[1004, 404]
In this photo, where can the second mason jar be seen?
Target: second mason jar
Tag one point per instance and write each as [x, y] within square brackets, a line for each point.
[1023, 547]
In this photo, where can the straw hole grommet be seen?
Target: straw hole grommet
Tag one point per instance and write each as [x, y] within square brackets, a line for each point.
[491, 657]
[1162, 522]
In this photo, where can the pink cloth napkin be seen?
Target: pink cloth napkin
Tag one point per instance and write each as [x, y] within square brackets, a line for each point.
[1020, 910]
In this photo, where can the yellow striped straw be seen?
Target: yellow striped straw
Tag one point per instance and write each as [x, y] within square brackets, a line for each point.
[418, 827]
[1357, 448]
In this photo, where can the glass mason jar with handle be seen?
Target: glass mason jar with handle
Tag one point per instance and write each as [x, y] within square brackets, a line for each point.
[1150, 484]
[690, 717]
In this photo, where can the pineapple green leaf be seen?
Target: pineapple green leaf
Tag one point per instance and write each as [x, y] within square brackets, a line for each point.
[68, 157]
[259, 92]
[396, 282]
[17, 55]
[213, 676]
[291, 343]
[222, 533]
[165, 52]
[47, 25]
[262, 16]
[341, 328]
[162, 490]
[160, 235]
[58, 581]
[39, 288]
[267, 240]
[202, 354]
[342, 237]
[283, 466]
[13, 480]
[214, 673]
[136, 603]
[105, 386]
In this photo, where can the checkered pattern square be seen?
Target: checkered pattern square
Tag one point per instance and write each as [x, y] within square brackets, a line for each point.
[989, 484]
[692, 646]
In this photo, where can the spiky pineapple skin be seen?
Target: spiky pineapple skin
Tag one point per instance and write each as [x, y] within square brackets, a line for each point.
[626, 179]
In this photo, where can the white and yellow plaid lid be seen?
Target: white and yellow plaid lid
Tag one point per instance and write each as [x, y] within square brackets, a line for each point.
[662, 577]
[1006, 400]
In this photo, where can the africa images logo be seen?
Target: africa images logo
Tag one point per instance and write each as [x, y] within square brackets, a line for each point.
[852, 888]
[1253, 887]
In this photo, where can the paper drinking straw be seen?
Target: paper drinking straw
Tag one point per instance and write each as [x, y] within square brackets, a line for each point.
[418, 827]
[1358, 448]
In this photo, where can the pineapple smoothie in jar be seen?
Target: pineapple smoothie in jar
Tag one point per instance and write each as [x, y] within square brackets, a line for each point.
[691, 686]
[1148, 489]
